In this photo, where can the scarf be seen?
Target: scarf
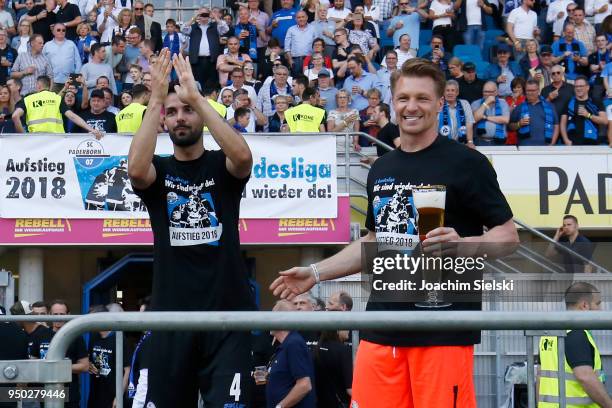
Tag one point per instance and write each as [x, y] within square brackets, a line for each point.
[567, 62]
[251, 45]
[549, 120]
[81, 44]
[444, 122]
[600, 57]
[590, 129]
[274, 91]
[174, 46]
[500, 134]
[131, 385]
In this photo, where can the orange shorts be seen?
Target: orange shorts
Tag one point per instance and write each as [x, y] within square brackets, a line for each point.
[413, 377]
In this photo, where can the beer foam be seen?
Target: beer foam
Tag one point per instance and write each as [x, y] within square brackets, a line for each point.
[429, 198]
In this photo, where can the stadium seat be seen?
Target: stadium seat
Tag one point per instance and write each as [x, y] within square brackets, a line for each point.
[467, 53]
[386, 42]
[493, 34]
[424, 49]
[424, 37]
[481, 68]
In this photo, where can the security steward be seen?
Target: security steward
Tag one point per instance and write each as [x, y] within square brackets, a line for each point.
[584, 376]
[210, 94]
[43, 111]
[306, 117]
[129, 118]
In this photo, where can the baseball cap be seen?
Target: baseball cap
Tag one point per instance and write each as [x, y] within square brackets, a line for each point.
[546, 49]
[97, 93]
[503, 48]
[324, 72]
[22, 307]
[469, 67]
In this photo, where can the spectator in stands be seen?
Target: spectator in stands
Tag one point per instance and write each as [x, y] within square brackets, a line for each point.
[455, 69]
[92, 22]
[333, 365]
[135, 77]
[15, 86]
[241, 119]
[84, 42]
[304, 302]
[407, 21]
[6, 19]
[124, 23]
[298, 42]
[96, 69]
[248, 69]
[246, 32]
[531, 60]
[102, 366]
[277, 85]
[174, 40]
[237, 77]
[129, 118]
[389, 132]
[517, 97]
[437, 55]
[70, 15]
[344, 118]
[600, 10]
[125, 98]
[70, 99]
[556, 15]
[232, 59]
[340, 302]
[277, 122]
[522, 25]
[146, 55]
[35, 332]
[324, 29]
[542, 74]
[63, 56]
[358, 82]
[470, 86]
[114, 54]
[97, 116]
[359, 35]
[341, 53]
[42, 17]
[584, 31]
[307, 116]
[281, 21]
[582, 117]
[367, 119]
[491, 115]
[21, 8]
[384, 75]
[31, 65]
[8, 56]
[558, 92]
[7, 108]
[569, 236]
[535, 120]
[132, 48]
[150, 29]
[597, 63]
[299, 84]
[504, 71]
[108, 19]
[404, 52]
[149, 10]
[20, 41]
[109, 99]
[455, 120]
[318, 46]
[312, 73]
[204, 30]
[339, 12]
[442, 13]
[226, 97]
[260, 19]
[472, 22]
[327, 92]
[291, 372]
[570, 53]
[242, 100]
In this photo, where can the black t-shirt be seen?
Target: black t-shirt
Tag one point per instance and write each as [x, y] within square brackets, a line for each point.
[470, 91]
[194, 209]
[578, 349]
[76, 351]
[104, 121]
[387, 134]
[333, 364]
[577, 134]
[473, 200]
[566, 92]
[40, 335]
[102, 356]
[594, 59]
[11, 55]
[14, 342]
[67, 14]
[583, 246]
[43, 26]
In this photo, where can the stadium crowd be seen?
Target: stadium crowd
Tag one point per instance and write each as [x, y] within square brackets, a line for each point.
[520, 73]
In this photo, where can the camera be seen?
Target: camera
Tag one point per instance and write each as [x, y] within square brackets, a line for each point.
[203, 15]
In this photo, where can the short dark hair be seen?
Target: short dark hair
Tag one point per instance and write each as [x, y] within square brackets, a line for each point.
[236, 70]
[40, 303]
[301, 80]
[583, 78]
[437, 36]
[518, 81]
[578, 292]
[171, 21]
[139, 90]
[17, 81]
[570, 217]
[149, 44]
[34, 36]
[117, 40]
[107, 91]
[420, 68]
[59, 302]
[239, 92]
[242, 111]
[579, 9]
[308, 93]
[532, 82]
[391, 52]
[102, 77]
[98, 309]
[210, 86]
[384, 108]
[44, 80]
[95, 48]
[346, 300]
[318, 39]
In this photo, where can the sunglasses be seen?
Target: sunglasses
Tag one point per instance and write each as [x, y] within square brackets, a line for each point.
[556, 73]
[60, 30]
[138, 8]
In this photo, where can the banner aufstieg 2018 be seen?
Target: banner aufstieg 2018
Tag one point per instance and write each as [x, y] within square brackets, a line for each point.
[77, 176]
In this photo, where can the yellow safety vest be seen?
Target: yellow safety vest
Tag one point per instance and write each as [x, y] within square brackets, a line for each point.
[43, 112]
[304, 118]
[129, 118]
[575, 395]
[219, 107]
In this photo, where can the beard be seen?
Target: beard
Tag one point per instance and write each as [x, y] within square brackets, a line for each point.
[184, 136]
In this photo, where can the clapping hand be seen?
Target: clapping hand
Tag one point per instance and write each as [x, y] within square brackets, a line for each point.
[187, 91]
[160, 72]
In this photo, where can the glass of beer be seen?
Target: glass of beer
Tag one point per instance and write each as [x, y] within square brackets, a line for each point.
[429, 202]
[261, 375]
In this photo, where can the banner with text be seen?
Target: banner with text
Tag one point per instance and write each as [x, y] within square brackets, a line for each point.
[77, 176]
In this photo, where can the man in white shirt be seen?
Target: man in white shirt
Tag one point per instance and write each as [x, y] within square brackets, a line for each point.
[237, 77]
[557, 13]
[522, 26]
[600, 9]
[339, 12]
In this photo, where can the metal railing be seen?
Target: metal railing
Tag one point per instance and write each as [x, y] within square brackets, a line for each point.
[55, 370]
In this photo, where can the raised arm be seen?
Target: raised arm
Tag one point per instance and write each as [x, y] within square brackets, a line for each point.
[239, 158]
[140, 158]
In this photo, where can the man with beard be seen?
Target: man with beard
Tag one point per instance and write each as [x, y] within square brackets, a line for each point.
[198, 265]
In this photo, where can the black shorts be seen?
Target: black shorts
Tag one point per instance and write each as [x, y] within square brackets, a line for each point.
[218, 364]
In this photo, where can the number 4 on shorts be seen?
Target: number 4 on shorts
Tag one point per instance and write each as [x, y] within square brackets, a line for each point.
[235, 387]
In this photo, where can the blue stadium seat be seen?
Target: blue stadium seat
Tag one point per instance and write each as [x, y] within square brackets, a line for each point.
[481, 68]
[492, 34]
[467, 53]
[385, 40]
[423, 49]
[424, 37]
